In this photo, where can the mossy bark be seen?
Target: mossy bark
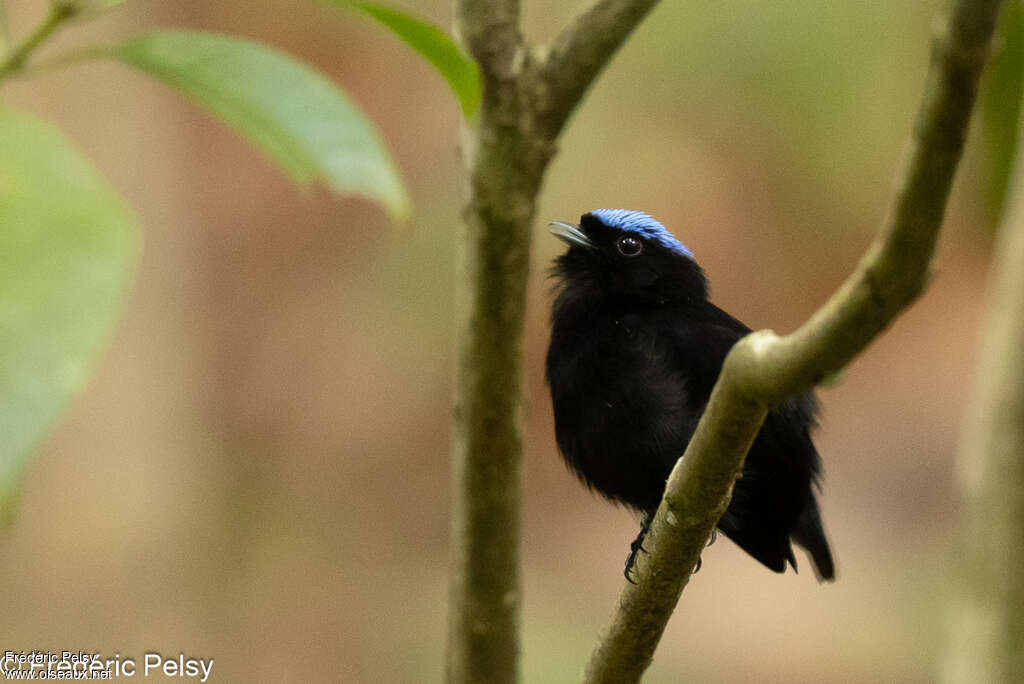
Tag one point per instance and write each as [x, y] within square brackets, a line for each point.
[528, 95]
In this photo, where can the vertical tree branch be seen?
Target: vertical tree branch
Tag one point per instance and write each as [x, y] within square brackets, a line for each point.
[985, 636]
[506, 152]
[493, 267]
[763, 369]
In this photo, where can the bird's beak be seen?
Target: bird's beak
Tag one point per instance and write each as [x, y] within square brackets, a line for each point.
[570, 234]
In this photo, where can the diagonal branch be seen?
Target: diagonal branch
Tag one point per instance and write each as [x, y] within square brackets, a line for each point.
[14, 60]
[578, 55]
[763, 368]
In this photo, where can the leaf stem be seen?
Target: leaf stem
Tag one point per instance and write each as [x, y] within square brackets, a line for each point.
[14, 60]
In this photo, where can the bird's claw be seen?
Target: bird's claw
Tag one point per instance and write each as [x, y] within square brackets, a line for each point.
[637, 546]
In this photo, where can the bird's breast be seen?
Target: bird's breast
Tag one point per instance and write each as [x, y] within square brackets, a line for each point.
[622, 412]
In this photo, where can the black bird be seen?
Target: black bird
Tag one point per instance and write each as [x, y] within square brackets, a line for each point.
[636, 347]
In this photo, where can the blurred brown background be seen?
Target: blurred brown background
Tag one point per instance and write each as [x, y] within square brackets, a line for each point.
[258, 472]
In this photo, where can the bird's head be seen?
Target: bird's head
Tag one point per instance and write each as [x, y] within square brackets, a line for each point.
[628, 254]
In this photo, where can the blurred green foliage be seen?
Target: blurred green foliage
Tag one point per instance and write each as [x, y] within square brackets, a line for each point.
[66, 239]
[67, 246]
[458, 69]
[310, 128]
[764, 131]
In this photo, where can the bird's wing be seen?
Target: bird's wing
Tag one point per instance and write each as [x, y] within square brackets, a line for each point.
[774, 497]
[699, 345]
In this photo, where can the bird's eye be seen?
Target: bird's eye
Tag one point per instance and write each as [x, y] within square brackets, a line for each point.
[629, 246]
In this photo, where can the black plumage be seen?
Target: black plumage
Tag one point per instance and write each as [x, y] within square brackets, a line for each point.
[636, 347]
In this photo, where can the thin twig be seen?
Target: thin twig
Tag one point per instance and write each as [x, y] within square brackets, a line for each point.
[15, 59]
[763, 368]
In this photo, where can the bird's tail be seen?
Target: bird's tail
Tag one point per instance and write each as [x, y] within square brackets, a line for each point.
[810, 534]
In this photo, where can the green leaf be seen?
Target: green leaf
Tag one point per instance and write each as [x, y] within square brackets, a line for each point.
[67, 249]
[436, 46]
[306, 124]
[1003, 88]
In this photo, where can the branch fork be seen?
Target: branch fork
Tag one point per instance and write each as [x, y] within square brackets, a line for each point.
[528, 96]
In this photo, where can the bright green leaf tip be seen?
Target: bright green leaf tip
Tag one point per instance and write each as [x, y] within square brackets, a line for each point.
[67, 251]
[436, 46]
[297, 115]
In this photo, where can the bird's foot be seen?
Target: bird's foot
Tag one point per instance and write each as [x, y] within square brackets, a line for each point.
[700, 559]
[637, 546]
[634, 548]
